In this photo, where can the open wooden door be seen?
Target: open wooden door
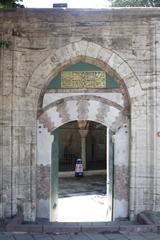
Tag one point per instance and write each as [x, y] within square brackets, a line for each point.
[109, 185]
[54, 176]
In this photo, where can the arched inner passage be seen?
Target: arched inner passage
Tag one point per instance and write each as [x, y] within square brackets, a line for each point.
[82, 172]
[83, 93]
[70, 149]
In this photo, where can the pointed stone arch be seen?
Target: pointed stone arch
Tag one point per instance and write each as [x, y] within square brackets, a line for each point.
[106, 59]
[78, 108]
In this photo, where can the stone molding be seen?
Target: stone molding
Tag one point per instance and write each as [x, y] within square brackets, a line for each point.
[108, 60]
[83, 110]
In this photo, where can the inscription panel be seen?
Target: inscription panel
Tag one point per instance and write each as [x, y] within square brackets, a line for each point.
[83, 79]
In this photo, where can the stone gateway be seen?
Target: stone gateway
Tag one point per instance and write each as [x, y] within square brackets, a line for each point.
[67, 69]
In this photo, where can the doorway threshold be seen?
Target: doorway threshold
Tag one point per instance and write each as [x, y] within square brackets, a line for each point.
[17, 224]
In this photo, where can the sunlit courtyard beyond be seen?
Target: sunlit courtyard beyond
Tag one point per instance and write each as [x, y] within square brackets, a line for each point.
[82, 200]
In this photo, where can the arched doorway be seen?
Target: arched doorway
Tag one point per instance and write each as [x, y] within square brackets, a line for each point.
[103, 102]
[81, 195]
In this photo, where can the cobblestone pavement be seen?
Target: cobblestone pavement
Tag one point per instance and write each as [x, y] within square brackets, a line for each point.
[80, 236]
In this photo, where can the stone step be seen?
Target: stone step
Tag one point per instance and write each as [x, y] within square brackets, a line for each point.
[91, 227]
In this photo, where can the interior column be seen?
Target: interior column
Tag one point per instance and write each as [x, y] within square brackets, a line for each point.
[83, 134]
[83, 131]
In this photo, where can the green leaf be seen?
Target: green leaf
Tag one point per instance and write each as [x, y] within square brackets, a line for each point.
[135, 3]
[11, 4]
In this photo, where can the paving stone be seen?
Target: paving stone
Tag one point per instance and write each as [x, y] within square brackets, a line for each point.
[61, 237]
[151, 236]
[22, 236]
[42, 236]
[134, 236]
[115, 236]
[6, 236]
[79, 236]
[95, 236]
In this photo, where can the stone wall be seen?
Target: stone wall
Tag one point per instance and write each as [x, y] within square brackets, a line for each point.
[124, 43]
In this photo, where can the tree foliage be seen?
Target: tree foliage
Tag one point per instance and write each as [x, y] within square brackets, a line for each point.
[11, 4]
[135, 3]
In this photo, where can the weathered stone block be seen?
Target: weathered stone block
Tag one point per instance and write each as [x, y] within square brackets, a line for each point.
[43, 182]
[114, 61]
[24, 118]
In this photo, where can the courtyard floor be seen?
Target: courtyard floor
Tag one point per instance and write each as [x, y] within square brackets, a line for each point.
[82, 199]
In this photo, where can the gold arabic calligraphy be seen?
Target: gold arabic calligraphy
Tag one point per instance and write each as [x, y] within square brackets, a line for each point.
[88, 79]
